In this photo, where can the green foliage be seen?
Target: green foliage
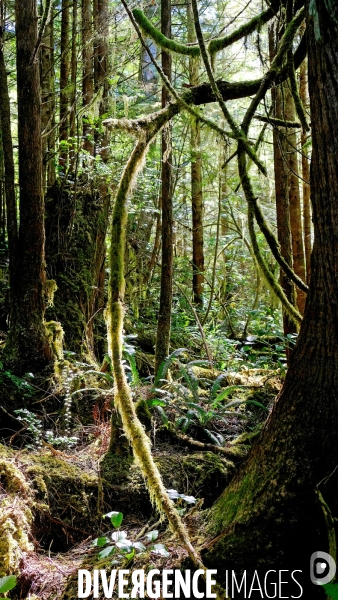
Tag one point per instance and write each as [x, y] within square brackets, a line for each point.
[20, 384]
[331, 590]
[196, 400]
[32, 423]
[7, 583]
[123, 548]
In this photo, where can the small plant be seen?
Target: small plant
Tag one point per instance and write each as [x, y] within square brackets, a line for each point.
[122, 547]
[184, 396]
[22, 386]
[64, 441]
[32, 423]
[7, 584]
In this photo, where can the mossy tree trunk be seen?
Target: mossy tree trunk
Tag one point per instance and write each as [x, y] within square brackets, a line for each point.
[27, 347]
[270, 515]
[76, 226]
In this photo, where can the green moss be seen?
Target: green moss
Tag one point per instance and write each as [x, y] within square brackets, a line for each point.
[143, 413]
[115, 469]
[160, 39]
[15, 514]
[223, 42]
[55, 334]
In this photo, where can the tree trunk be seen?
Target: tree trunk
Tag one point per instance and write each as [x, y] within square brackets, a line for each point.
[196, 180]
[164, 318]
[72, 116]
[64, 80]
[27, 347]
[87, 66]
[270, 515]
[294, 201]
[282, 194]
[9, 169]
[47, 76]
[306, 177]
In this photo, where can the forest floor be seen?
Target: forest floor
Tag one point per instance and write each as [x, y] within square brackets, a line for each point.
[53, 495]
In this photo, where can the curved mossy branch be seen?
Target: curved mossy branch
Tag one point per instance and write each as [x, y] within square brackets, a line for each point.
[275, 67]
[239, 135]
[181, 100]
[223, 42]
[215, 45]
[263, 224]
[252, 213]
[278, 122]
[161, 40]
[123, 397]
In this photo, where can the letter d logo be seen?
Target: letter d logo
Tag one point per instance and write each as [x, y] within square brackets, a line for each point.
[322, 568]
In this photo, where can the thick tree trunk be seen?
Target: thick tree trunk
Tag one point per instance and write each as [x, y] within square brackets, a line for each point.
[164, 317]
[27, 347]
[270, 515]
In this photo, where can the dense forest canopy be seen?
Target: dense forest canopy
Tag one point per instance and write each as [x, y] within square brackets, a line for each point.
[168, 289]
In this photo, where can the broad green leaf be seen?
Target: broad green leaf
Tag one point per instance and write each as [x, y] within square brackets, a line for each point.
[115, 517]
[160, 549]
[152, 535]
[7, 583]
[139, 546]
[119, 536]
[188, 499]
[131, 554]
[101, 541]
[125, 546]
[164, 417]
[106, 552]
[173, 494]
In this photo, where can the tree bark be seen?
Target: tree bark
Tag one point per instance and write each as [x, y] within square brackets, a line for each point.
[47, 77]
[196, 180]
[283, 207]
[87, 67]
[306, 177]
[164, 318]
[270, 513]
[64, 81]
[282, 193]
[294, 201]
[27, 347]
[73, 75]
